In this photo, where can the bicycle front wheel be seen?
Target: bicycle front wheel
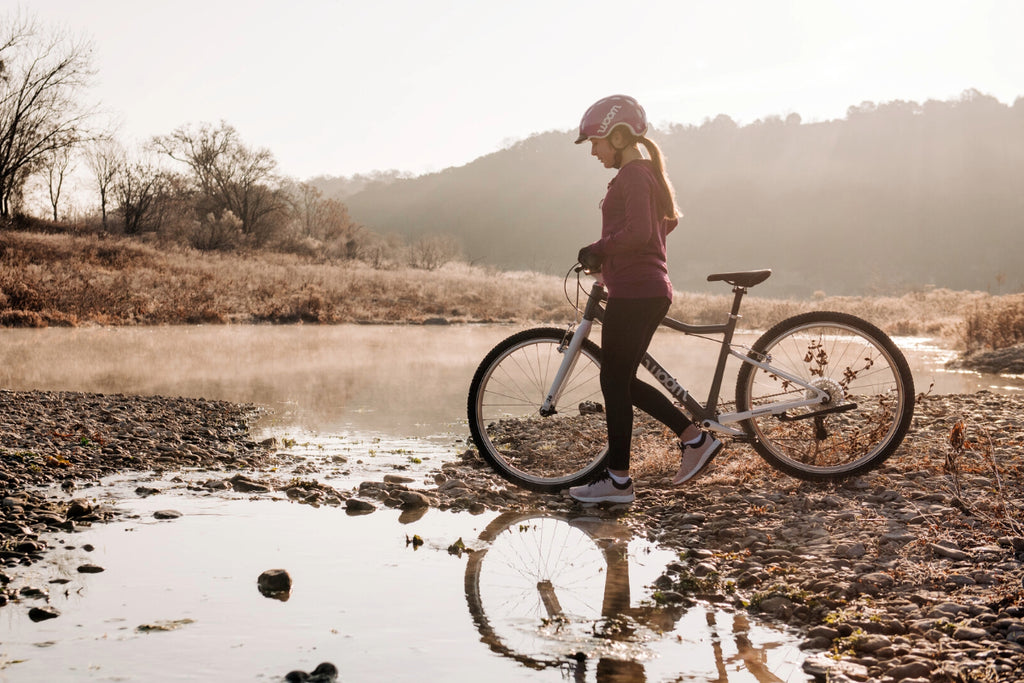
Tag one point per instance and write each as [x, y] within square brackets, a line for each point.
[537, 590]
[867, 379]
[544, 453]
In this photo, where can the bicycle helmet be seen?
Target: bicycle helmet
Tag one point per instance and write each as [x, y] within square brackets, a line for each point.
[609, 112]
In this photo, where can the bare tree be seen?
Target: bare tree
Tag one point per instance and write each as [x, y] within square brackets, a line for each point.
[57, 163]
[306, 202]
[40, 113]
[136, 189]
[430, 252]
[323, 219]
[105, 157]
[380, 251]
[232, 176]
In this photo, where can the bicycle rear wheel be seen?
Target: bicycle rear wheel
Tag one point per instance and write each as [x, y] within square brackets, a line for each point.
[540, 453]
[866, 376]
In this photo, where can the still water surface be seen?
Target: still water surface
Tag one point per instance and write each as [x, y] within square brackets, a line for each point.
[537, 588]
[405, 381]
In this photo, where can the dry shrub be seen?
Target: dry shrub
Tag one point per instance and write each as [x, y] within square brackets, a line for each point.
[971, 452]
[993, 324]
[21, 319]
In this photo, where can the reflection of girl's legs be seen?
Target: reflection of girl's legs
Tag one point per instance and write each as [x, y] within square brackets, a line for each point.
[627, 329]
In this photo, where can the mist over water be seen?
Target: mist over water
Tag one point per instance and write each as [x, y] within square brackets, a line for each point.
[403, 381]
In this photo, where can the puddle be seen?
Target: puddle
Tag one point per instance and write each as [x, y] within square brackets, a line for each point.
[178, 600]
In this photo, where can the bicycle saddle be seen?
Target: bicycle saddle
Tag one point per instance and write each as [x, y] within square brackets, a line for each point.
[743, 278]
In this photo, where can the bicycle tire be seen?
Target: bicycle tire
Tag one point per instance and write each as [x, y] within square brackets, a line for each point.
[539, 453]
[867, 377]
[526, 551]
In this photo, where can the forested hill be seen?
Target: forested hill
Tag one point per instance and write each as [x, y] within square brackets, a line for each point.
[895, 196]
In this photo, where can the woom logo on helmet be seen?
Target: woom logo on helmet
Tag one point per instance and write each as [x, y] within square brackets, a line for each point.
[608, 118]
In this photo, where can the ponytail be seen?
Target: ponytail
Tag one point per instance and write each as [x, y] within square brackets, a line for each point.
[667, 198]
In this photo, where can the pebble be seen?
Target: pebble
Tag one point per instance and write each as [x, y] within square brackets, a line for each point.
[323, 673]
[42, 613]
[274, 581]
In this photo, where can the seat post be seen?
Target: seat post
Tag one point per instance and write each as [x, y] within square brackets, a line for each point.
[738, 293]
[723, 353]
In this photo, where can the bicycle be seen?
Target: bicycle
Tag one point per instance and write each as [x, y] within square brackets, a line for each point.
[820, 395]
[546, 586]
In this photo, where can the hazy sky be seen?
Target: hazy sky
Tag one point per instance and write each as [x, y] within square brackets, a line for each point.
[339, 87]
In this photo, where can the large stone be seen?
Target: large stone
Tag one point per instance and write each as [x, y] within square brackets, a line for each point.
[871, 643]
[948, 551]
[914, 669]
[822, 667]
[876, 579]
[968, 633]
[245, 485]
[777, 606]
[275, 583]
[413, 499]
[324, 673]
[359, 505]
[42, 613]
[851, 551]
[79, 508]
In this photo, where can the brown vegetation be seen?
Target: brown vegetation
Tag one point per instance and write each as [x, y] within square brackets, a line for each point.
[994, 324]
[62, 279]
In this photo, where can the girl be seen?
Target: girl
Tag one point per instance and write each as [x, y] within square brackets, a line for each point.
[638, 212]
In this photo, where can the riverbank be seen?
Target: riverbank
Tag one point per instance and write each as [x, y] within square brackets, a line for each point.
[909, 572]
[78, 280]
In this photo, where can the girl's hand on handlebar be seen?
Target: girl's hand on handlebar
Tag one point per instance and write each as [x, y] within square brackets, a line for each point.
[590, 261]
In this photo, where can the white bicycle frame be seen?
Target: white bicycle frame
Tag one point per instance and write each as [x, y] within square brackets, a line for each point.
[704, 414]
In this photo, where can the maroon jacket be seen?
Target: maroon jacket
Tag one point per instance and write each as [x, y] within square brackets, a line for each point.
[632, 245]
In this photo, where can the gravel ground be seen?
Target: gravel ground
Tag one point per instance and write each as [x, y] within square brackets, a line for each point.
[912, 572]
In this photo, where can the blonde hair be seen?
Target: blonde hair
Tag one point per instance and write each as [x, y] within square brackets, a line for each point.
[667, 200]
[667, 195]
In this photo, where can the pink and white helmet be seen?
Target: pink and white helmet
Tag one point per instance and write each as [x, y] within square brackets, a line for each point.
[606, 113]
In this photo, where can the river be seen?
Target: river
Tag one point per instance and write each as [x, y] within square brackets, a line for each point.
[178, 599]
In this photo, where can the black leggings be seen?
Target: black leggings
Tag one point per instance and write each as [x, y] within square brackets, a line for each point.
[626, 332]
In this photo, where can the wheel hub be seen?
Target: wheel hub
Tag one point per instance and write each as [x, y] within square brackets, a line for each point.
[836, 392]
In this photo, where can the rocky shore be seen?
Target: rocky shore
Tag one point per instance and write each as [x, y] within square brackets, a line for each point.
[1005, 361]
[912, 572]
[73, 439]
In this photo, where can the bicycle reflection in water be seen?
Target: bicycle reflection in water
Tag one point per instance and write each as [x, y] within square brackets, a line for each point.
[553, 591]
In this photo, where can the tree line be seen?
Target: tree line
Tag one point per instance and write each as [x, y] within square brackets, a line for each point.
[896, 196]
[200, 185]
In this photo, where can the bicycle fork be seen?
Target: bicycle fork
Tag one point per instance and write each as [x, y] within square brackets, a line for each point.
[570, 354]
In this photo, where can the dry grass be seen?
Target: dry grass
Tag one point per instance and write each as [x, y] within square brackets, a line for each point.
[67, 280]
[63, 279]
[937, 313]
[994, 323]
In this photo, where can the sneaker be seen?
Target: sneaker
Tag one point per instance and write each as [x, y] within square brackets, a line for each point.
[604, 490]
[696, 457]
